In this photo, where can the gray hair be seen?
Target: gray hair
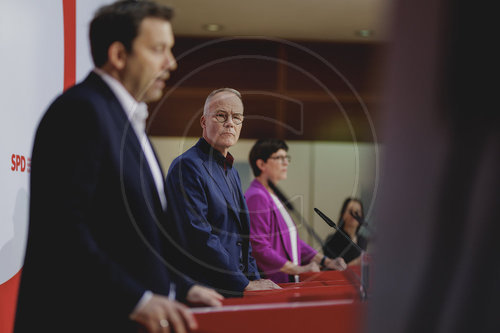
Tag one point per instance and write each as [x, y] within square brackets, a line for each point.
[215, 92]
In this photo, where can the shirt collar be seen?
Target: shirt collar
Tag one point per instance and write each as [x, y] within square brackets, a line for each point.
[226, 162]
[137, 113]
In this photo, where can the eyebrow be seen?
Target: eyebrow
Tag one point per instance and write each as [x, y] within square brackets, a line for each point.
[223, 111]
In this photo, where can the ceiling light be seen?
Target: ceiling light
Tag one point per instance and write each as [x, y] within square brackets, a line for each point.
[365, 33]
[212, 27]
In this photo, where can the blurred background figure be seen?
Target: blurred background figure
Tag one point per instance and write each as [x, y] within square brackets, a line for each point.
[350, 219]
[437, 209]
[280, 254]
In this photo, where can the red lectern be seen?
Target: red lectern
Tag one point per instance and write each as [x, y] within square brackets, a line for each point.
[322, 302]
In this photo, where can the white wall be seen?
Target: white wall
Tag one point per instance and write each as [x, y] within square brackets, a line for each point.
[32, 58]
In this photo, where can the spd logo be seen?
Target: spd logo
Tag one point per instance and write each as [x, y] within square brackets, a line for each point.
[20, 163]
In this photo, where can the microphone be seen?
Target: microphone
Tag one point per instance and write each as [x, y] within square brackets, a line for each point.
[365, 229]
[334, 226]
[291, 208]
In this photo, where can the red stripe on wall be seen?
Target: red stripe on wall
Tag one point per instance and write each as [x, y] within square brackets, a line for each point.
[69, 12]
[8, 302]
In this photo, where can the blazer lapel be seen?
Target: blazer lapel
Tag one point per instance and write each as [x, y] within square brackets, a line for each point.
[128, 138]
[145, 170]
[217, 175]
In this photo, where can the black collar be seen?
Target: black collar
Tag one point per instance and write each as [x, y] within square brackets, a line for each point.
[226, 162]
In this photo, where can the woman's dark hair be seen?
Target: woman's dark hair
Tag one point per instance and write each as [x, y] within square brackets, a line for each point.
[262, 150]
[119, 22]
[344, 208]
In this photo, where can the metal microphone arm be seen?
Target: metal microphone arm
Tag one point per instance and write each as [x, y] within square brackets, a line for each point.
[364, 268]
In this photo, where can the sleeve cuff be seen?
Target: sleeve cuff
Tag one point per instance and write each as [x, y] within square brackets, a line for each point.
[142, 301]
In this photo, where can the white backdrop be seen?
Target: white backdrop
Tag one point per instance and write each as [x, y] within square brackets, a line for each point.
[32, 75]
[32, 64]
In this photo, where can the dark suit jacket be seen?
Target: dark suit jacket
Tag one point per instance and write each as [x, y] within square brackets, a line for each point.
[208, 220]
[94, 244]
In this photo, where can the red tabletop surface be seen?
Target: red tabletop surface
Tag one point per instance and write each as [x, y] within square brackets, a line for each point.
[339, 316]
[327, 301]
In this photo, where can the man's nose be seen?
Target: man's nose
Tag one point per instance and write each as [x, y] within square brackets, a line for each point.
[172, 65]
[170, 62]
[229, 122]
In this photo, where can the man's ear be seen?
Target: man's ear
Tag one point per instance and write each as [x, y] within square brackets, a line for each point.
[203, 121]
[117, 55]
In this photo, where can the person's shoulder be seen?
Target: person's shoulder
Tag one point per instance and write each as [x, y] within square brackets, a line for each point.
[72, 107]
[256, 194]
[85, 95]
[190, 156]
[189, 161]
[255, 189]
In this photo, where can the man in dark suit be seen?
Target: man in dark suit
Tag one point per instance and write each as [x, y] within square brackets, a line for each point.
[94, 259]
[207, 217]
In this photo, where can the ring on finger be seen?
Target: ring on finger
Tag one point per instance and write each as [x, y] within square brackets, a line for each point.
[164, 323]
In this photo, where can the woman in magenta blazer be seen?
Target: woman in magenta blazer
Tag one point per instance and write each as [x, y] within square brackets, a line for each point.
[279, 252]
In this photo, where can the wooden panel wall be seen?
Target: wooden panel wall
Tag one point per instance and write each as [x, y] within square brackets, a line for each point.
[291, 90]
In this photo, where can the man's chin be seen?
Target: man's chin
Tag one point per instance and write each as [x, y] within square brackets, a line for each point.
[227, 142]
[152, 95]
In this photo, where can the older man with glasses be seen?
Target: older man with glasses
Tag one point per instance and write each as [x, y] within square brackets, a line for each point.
[208, 218]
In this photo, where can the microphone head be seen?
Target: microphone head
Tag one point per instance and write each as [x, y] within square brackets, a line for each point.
[326, 219]
[359, 218]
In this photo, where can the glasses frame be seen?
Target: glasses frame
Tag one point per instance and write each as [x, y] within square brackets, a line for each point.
[226, 117]
[282, 159]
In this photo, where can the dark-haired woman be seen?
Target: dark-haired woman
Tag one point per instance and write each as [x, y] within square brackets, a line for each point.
[279, 252]
[350, 218]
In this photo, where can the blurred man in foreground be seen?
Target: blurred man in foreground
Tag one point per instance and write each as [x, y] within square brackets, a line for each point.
[93, 261]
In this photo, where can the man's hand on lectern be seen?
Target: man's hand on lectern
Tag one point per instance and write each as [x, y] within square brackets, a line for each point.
[201, 295]
[262, 284]
[161, 314]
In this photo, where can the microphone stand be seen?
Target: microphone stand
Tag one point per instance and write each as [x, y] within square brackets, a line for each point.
[363, 282]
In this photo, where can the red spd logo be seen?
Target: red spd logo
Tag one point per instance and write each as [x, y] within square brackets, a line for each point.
[20, 163]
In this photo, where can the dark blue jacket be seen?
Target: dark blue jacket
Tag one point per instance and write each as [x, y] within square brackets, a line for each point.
[94, 244]
[208, 220]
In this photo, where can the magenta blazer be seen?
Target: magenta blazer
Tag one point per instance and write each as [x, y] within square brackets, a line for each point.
[269, 236]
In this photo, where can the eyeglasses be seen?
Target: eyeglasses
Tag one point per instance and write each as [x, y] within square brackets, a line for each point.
[282, 158]
[222, 117]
